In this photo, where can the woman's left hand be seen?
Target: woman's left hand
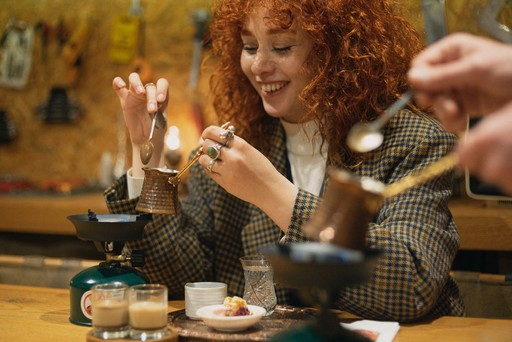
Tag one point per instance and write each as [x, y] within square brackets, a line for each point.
[246, 173]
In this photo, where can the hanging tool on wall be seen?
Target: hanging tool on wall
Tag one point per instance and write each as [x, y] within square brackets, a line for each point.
[140, 64]
[490, 21]
[200, 19]
[435, 19]
[127, 42]
[59, 106]
[125, 34]
[62, 34]
[16, 46]
[43, 30]
[8, 129]
[72, 51]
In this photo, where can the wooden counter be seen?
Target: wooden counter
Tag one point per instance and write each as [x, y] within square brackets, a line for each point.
[481, 227]
[41, 314]
[46, 214]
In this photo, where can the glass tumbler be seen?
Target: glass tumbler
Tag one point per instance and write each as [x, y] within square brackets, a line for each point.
[110, 311]
[148, 311]
[259, 282]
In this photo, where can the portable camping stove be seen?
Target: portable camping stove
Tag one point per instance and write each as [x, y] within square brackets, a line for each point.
[109, 234]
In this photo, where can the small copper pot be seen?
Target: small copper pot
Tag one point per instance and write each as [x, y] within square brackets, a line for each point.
[159, 192]
[347, 208]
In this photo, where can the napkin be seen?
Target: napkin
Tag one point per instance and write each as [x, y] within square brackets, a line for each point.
[377, 331]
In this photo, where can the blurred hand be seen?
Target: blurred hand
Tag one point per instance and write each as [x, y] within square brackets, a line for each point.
[487, 149]
[463, 75]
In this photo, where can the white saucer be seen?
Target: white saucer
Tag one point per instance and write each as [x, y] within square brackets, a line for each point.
[213, 316]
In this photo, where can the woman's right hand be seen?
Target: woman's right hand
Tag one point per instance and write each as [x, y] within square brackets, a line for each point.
[139, 103]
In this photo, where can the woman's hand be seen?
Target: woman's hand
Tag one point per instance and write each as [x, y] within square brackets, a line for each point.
[246, 173]
[139, 103]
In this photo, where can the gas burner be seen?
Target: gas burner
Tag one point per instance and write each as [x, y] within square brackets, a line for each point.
[109, 233]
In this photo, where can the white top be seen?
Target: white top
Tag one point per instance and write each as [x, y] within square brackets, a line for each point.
[306, 155]
[134, 184]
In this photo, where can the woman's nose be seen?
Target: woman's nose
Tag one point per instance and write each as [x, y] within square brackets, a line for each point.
[262, 64]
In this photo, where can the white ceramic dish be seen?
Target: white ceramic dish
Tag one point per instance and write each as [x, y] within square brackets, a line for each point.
[213, 316]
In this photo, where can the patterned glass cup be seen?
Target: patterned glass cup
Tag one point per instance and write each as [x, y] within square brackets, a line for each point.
[259, 282]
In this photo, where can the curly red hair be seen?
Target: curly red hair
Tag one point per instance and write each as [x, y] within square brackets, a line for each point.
[361, 53]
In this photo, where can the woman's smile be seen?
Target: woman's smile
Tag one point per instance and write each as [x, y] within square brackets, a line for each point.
[268, 89]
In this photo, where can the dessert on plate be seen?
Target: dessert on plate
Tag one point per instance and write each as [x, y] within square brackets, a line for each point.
[236, 306]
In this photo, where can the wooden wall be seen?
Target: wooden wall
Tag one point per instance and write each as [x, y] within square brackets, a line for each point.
[45, 151]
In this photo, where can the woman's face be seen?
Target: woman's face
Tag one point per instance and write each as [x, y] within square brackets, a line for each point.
[273, 60]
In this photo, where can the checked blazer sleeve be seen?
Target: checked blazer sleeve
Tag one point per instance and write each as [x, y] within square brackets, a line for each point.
[415, 230]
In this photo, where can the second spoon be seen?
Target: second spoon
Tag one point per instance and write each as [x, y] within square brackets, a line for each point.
[146, 150]
[367, 136]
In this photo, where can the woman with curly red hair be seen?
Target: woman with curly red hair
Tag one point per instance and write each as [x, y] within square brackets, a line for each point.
[292, 77]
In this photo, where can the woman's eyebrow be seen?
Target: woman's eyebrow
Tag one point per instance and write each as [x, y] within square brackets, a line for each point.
[271, 31]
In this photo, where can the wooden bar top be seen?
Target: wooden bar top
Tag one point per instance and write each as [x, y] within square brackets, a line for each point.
[41, 314]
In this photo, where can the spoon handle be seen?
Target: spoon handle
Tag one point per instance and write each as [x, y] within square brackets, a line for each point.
[195, 157]
[189, 164]
[397, 106]
[153, 124]
[435, 169]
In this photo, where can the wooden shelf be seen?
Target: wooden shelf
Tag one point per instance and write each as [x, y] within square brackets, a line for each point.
[483, 225]
[46, 214]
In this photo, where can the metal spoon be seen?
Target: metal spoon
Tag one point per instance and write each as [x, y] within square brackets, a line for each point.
[195, 158]
[367, 136]
[146, 150]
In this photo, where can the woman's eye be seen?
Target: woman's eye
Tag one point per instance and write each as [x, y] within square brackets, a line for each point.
[250, 49]
[282, 49]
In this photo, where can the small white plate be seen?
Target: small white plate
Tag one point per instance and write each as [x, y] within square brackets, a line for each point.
[213, 316]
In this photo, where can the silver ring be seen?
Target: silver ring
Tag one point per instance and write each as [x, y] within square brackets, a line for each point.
[210, 165]
[214, 151]
[228, 134]
[149, 85]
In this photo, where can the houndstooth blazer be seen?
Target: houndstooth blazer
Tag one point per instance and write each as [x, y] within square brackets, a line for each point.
[213, 229]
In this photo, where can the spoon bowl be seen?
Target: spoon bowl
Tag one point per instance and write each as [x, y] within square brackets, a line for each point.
[146, 152]
[364, 138]
[367, 136]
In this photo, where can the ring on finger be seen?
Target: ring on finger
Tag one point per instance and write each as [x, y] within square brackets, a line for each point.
[210, 165]
[227, 135]
[214, 151]
[149, 85]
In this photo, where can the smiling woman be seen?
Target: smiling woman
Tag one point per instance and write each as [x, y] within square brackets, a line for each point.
[292, 77]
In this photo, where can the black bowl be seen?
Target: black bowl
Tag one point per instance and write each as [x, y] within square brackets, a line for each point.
[313, 264]
[113, 227]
